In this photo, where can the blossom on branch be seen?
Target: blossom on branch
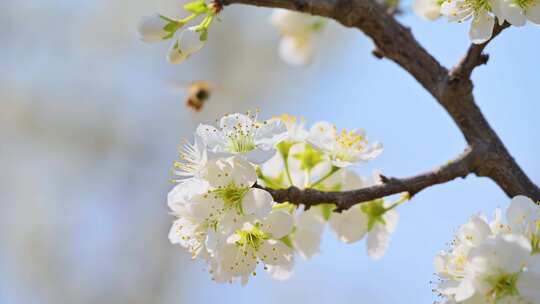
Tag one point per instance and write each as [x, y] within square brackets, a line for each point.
[494, 262]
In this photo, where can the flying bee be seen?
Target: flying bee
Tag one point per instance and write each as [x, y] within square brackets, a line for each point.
[198, 94]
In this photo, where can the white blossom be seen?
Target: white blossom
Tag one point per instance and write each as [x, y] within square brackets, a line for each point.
[257, 242]
[493, 262]
[309, 226]
[297, 30]
[241, 134]
[193, 159]
[345, 148]
[211, 208]
[427, 9]
[517, 12]
[483, 20]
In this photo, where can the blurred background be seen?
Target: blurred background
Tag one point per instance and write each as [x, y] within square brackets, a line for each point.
[90, 119]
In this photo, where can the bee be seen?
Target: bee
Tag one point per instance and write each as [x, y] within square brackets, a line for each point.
[198, 94]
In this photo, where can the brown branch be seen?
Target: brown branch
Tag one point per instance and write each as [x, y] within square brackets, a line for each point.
[452, 89]
[459, 167]
[475, 56]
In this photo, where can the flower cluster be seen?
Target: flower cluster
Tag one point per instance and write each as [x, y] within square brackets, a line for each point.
[494, 261]
[233, 226]
[483, 13]
[297, 31]
[186, 42]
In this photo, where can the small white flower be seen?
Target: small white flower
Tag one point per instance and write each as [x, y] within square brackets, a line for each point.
[524, 217]
[378, 219]
[427, 9]
[243, 135]
[480, 12]
[193, 159]
[517, 12]
[258, 242]
[156, 28]
[297, 30]
[295, 128]
[345, 148]
[184, 45]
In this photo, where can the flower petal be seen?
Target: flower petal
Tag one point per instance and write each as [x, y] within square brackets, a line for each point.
[350, 225]
[258, 202]
[377, 241]
[481, 28]
[278, 224]
[274, 252]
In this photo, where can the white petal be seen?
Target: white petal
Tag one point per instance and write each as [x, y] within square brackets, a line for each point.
[278, 224]
[259, 156]
[465, 290]
[296, 51]
[280, 272]
[530, 280]
[372, 151]
[377, 241]
[212, 137]
[243, 173]
[513, 13]
[204, 206]
[270, 132]
[481, 28]
[350, 225]
[391, 219]
[237, 261]
[258, 202]
[306, 242]
[521, 211]
[235, 121]
[427, 9]
[533, 13]
[185, 191]
[274, 252]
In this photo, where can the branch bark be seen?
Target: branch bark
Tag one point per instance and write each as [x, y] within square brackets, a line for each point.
[463, 165]
[451, 88]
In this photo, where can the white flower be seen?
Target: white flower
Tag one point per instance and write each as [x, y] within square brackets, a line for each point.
[480, 12]
[517, 12]
[295, 128]
[306, 238]
[524, 217]
[297, 29]
[296, 51]
[494, 262]
[184, 45]
[375, 218]
[258, 242]
[193, 159]
[427, 9]
[494, 269]
[211, 208]
[243, 135]
[156, 28]
[345, 148]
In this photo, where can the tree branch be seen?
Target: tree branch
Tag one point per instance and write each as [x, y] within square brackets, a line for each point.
[475, 56]
[462, 166]
[452, 89]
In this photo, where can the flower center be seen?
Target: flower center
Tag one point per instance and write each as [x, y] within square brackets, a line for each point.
[349, 139]
[503, 285]
[232, 196]
[535, 238]
[241, 141]
[253, 238]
